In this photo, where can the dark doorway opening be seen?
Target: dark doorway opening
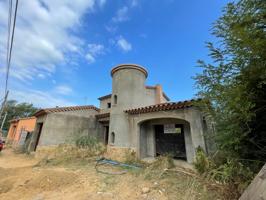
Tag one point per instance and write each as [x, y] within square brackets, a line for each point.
[27, 140]
[106, 135]
[170, 143]
[39, 131]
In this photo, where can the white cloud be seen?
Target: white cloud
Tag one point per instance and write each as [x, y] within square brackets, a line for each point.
[44, 36]
[63, 89]
[102, 2]
[134, 3]
[90, 58]
[39, 98]
[121, 15]
[111, 28]
[123, 44]
[41, 76]
[93, 51]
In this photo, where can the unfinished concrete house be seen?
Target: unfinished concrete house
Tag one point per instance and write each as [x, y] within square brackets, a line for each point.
[140, 117]
[133, 117]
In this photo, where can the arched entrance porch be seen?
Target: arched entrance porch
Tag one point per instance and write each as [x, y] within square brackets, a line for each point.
[165, 136]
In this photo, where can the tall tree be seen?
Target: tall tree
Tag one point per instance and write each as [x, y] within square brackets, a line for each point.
[17, 110]
[235, 83]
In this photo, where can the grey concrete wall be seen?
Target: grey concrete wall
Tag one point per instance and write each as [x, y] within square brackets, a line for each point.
[103, 105]
[100, 132]
[150, 96]
[60, 128]
[65, 127]
[147, 140]
[81, 113]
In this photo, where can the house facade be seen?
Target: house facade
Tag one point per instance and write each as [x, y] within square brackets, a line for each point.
[20, 130]
[136, 117]
[63, 125]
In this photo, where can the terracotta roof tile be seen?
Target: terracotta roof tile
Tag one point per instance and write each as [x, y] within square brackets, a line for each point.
[23, 118]
[64, 109]
[163, 107]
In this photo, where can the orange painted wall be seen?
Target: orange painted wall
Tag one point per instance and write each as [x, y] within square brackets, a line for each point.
[17, 126]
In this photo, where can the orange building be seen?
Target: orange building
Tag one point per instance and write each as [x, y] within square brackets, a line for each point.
[17, 126]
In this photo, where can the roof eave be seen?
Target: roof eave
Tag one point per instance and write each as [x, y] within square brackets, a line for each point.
[105, 97]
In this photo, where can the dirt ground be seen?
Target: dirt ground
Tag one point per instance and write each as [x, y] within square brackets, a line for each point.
[21, 178]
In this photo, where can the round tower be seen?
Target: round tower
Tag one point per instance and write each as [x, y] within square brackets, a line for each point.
[128, 91]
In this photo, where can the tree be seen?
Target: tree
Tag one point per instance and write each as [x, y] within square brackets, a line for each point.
[235, 83]
[17, 110]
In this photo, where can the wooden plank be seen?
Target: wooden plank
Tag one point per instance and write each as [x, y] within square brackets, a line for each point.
[257, 189]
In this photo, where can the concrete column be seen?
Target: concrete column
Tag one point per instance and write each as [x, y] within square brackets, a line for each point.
[190, 150]
[196, 128]
[138, 141]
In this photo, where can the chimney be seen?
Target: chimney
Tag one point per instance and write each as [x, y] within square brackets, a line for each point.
[159, 94]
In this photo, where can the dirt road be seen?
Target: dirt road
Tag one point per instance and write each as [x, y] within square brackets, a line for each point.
[19, 179]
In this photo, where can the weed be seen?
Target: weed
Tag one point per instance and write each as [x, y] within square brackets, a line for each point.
[157, 168]
[86, 149]
[227, 171]
[202, 163]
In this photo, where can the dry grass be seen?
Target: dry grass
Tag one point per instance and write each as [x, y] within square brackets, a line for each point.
[67, 154]
[162, 176]
[183, 184]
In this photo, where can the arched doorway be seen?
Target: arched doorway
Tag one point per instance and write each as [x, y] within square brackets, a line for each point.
[165, 136]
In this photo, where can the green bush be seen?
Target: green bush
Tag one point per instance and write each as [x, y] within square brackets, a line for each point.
[202, 162]
[223, 169]
[86, 142]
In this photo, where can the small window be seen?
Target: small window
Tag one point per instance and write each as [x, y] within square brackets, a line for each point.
[108, 105]
[112, 138]
[115, 99]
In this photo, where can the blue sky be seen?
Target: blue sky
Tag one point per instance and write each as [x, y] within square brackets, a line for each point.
[64, 50]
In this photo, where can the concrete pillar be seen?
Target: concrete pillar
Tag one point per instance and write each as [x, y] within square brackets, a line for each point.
[159, 94]
[190, 150]
[196, 129]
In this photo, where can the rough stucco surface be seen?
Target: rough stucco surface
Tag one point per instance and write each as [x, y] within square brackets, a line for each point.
[103, 105]
[193, 131]
[60, 128]
[65, 127]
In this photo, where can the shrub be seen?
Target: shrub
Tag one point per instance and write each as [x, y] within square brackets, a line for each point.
[86, 149]
[224, 170]
[90, 144]
[131, 157]
[232, 172]
[202, 163]
[156, 169]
